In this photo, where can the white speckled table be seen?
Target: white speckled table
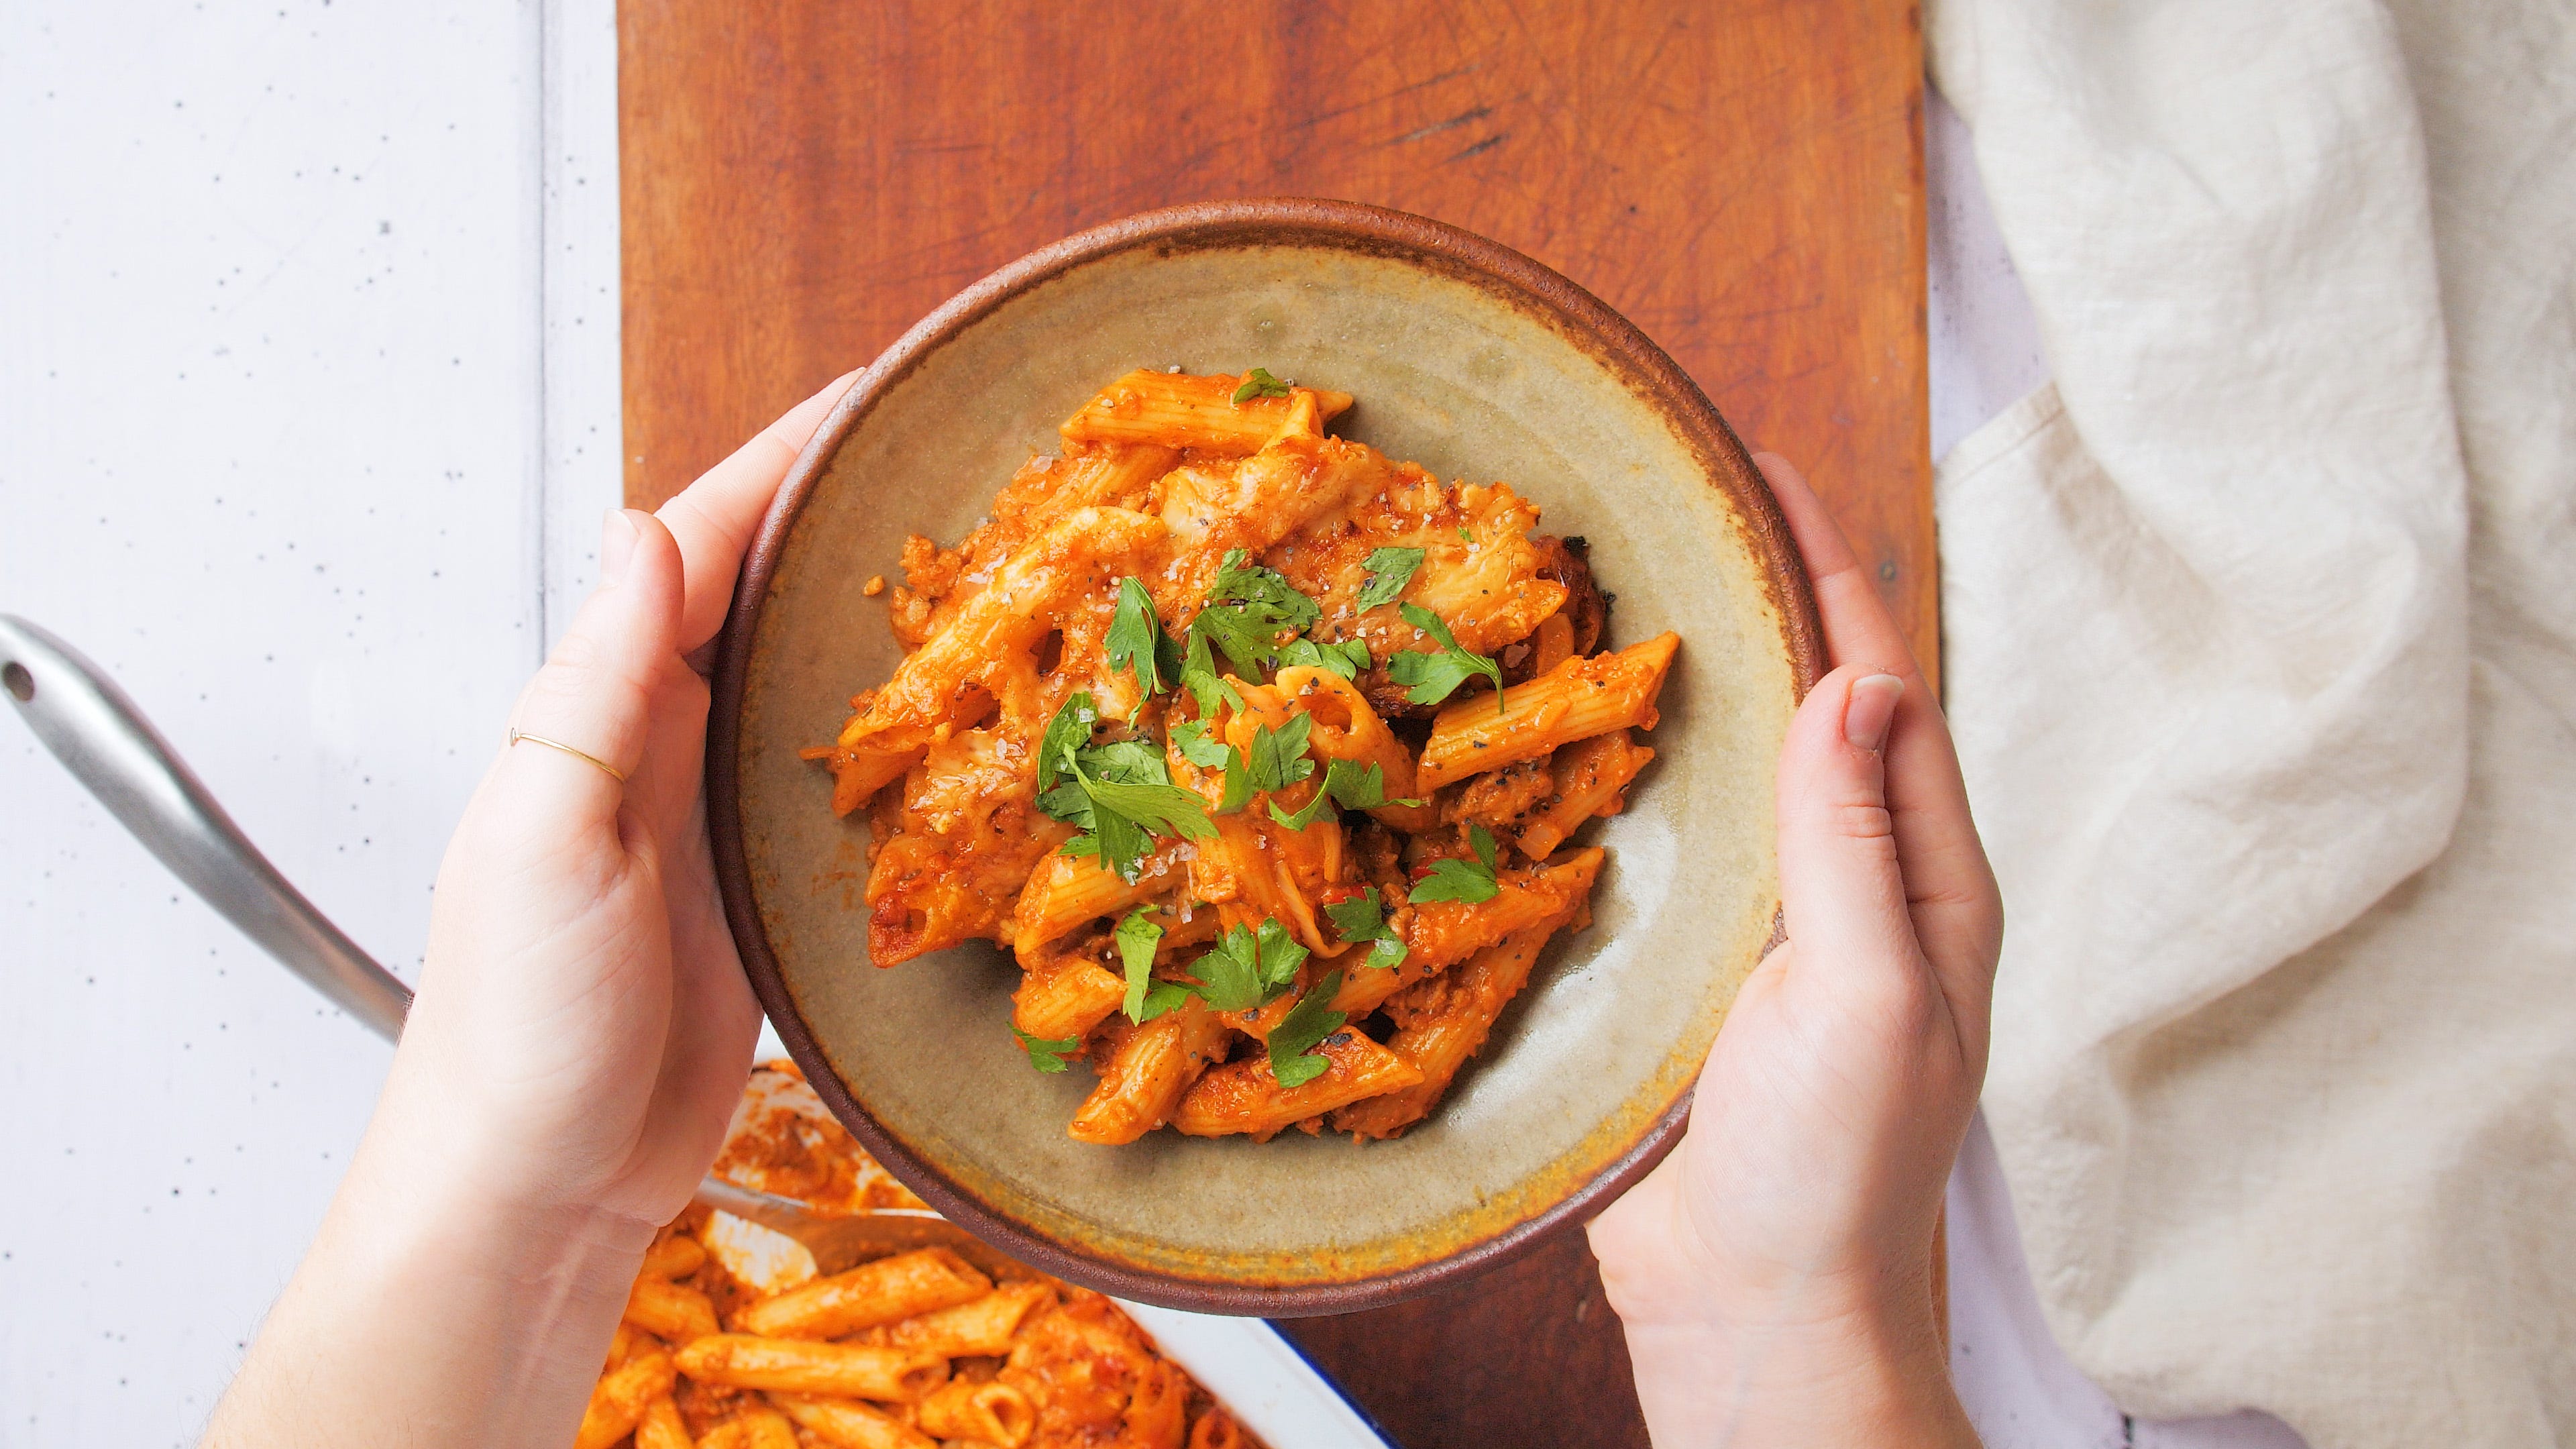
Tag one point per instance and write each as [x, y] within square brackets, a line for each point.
[309, 407]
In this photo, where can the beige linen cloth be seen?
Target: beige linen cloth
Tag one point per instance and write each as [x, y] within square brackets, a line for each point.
[2261, 651]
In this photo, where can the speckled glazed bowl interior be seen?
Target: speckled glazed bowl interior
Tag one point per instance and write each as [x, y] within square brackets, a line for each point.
[1481, 365]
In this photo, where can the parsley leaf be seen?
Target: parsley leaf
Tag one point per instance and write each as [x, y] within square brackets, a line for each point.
[1345, 659]
[1137, 938]
[1248, 607]
[1198, 674]
[1128, 762]
[1045, 1055]
[1355, 787]
[1292, 1058]
[1259, 383]
[1197, 747]
[1434, 677]
[1279, 756]
[1361, 918]
[1469, 881]
[1466, 534]
[1191, 736]
[1135, 640]
[1121, 794]
[1389, 569]
[1068, 731]
[1247, 969]
[1238, 783]
[1302, 818]
[1161, 809]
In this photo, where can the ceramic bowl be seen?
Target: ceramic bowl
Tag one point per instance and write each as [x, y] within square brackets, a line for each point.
[1466, 357]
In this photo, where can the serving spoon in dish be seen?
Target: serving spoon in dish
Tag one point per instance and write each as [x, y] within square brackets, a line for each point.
[107, 744]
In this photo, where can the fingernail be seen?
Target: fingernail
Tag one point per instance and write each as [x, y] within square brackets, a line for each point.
[1871, 709]
[616, 545]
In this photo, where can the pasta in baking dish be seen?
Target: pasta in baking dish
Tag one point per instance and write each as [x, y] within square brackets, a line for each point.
[731, 1339]
[1264, 753]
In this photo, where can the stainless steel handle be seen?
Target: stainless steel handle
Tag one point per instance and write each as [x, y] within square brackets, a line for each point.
[106, 743]
[104, 740]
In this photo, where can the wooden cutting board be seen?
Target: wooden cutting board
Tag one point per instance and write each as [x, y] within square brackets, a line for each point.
[801, 182]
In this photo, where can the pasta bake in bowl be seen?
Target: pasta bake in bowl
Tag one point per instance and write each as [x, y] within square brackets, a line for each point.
[1333, 683]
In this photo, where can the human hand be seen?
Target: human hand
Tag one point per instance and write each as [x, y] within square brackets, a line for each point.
[582, 1032]
[1774, 1273]
[583, 1022]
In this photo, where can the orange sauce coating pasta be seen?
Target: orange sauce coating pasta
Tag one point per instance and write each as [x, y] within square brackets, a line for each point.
[1216, 704]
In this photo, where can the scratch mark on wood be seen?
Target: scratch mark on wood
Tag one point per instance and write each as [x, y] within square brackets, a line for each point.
[1435, 128]
[1487, 144]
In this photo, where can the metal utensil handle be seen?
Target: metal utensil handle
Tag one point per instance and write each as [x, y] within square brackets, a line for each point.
[105, 742]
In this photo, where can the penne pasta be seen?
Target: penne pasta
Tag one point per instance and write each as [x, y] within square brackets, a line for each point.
[1066, 891]
[872, 1293]
[803, 1366]
[1241, 874]
[674, 1257]
[1444, 933]
[756, 1427]
[1577, 700]
[1589, 776]
[1243, 1096]
[849, 1424]
[674, 1312]
[662, 1427]
[1157, 1413]
[618, 1401]
[1067, 1002]
[1221, 636]
[1148, 1069]
[1216, 1429]
[1036, 1362]
[1441, 1023]
[983, 1327]
[1175, 411]
[986, 1413]
[1347, 727]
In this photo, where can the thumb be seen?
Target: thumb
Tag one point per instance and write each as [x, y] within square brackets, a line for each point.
[1842, 895]
[594, 695]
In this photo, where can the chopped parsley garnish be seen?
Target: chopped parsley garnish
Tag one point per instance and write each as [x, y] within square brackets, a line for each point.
[1279, 756]
[1469, 881]
[1197, 747]
[1147, 998]
[1247, 969]
[1197, 671]
[1248, 608]
[1361, 918]
[1046, 1055]
[1067, 732]
[1119, 794]
[1389, 570]
[1259, 383]
[1357, 787]
[1278, 760]
[1238, 783]
[1345, 659]
[1190, 736]
[1302, 818]
[1436, 676]
[1466, 534]
[1136, 640]
[1293, 1059]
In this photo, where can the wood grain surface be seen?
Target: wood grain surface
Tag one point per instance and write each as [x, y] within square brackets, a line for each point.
[802, 182]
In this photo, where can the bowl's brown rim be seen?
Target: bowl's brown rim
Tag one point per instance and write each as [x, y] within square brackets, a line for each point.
[1524, 283]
